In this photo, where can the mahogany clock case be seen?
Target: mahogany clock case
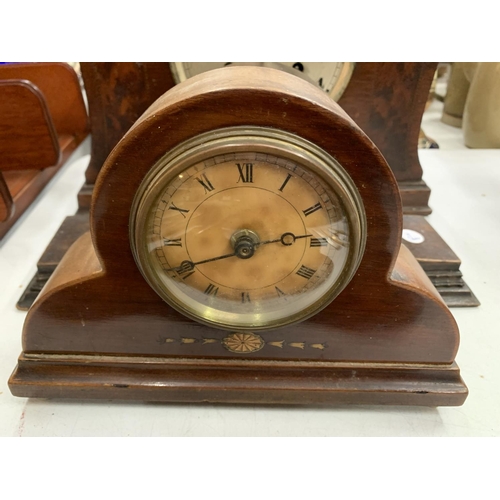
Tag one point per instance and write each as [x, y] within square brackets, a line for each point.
[386, 100]
[99, 330]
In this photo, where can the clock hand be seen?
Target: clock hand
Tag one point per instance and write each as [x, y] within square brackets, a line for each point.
[244, 249]
[187, 265]
[286, 239]
[244, 244]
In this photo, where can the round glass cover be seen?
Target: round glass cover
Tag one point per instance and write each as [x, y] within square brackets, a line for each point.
[247, 229]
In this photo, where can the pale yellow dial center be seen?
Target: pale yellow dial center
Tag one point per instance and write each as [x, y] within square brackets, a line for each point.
[268, 215]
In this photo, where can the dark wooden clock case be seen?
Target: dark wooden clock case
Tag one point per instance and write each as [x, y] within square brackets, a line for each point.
[99, 331]
[386, 100]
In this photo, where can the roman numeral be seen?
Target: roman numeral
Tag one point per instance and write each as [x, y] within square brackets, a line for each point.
[182, 211]
[185, 267]
[245, 297]
[280, 293]
[288, 177]
[172, 243]
[207, 185]
[318, 242]
[211, 290]
[246, 172]
[311, 210]
[306, 272]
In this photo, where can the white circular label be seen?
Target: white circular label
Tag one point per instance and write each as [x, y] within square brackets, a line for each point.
[413, 236]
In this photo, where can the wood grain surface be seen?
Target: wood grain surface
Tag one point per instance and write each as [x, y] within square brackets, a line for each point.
[394, 97]
[118, 94]
[59, 85]
[28, 137]
[42, 120]
[6, 202]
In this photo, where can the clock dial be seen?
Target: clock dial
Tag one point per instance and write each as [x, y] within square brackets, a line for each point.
[244, 233]
[332, 77]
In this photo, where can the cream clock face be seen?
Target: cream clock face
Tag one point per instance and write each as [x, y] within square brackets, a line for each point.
[332, 77]
[248, 231]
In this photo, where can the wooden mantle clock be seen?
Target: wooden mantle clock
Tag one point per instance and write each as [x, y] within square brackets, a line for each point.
[245, 247]
[386, 100]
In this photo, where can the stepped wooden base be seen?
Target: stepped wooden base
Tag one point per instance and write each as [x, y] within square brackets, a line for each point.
[440, 263]
[415, 197]
[236, 381]
[71, 229]
[459, 295]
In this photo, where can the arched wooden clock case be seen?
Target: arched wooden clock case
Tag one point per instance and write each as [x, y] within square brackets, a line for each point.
[99, 330]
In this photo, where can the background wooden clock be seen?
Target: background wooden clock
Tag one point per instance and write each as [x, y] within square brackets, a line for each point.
[386, 100]
[239, 257]
[331, 77]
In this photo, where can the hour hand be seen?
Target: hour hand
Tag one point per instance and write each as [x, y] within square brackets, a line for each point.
[286, 239]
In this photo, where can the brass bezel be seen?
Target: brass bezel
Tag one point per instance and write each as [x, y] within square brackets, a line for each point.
[248, 139]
